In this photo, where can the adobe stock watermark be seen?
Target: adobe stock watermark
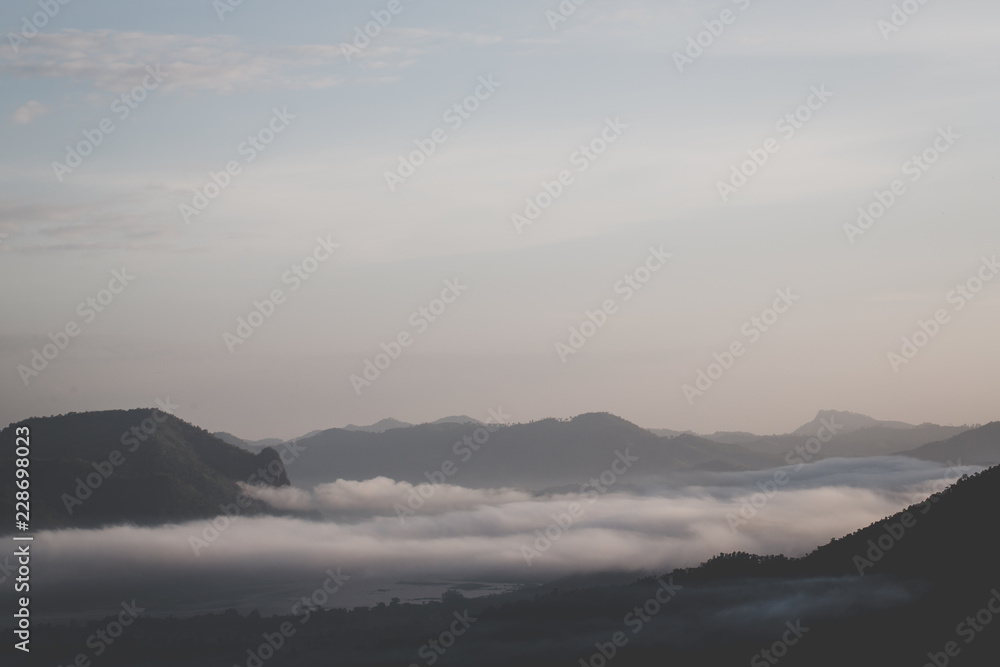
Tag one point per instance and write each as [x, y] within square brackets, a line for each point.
[915, 168]
[288, 453]
[414, 500]
[319, 597]
[31, 26]
[87, 310]
[363, 35]
[223, 7]
[779, 649]
[699, 43]
[581, 159]
[99, 641]
[899, 17]
[249, 149]
[455, 116]
[420, 320]
[122, 107]
[132, 438]
[892, 533]
[788, 125]
[968, 629]
[798, 456]
[927, 330]
[752, 329]
[275, 641]
[264, 310]
[628, 287]
[432, 651]
[563, 11]
[636, 620]
[562, 522]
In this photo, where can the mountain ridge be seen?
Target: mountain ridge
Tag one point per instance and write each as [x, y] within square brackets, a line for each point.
[139, 466]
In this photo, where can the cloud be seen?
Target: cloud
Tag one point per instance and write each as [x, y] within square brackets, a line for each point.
[110, 223]
[29, 112]
[483, 534]
[381, 496]
[402, 47]
[116, 61]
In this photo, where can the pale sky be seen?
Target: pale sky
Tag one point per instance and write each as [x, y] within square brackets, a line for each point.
[329, 127]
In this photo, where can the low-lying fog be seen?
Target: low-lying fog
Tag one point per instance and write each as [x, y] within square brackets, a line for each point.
[485, 540]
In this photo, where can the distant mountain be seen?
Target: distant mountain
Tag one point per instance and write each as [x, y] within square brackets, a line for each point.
[732, 437]
[980, 446]
[460, 419]
[725, 437]
[390, 423]
[379, 427]
[850, 421]
[535, 456]
[251, 445]
[668, 433]
[97, 468]
[873, 441]
[855, 435]
[846, 434]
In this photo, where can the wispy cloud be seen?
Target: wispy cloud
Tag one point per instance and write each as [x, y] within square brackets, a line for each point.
[29, 112]
[105, 224]
[113, 60]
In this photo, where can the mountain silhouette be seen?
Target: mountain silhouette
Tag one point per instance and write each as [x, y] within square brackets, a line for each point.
[534, 456]
[850, 421]
[980, 446]
[130, 466]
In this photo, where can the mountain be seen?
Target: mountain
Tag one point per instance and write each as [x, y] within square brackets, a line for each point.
[851, 422]
[251, 445]
[534, 456]
[724, 437]
[129, 466]
[980, 446]
[668, 433]
[732, 437]
[873, 441]
[379, 427]
[390, 423]
[848, 434]
[460, 419]
[942, 538]
[855, 435]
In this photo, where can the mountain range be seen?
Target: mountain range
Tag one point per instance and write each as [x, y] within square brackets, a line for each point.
[552, 453]
[102, 468]
[535, 456]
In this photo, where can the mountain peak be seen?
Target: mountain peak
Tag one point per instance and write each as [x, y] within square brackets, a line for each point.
[847, 421]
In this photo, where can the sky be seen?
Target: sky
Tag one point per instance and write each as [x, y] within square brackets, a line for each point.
[595, 227]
